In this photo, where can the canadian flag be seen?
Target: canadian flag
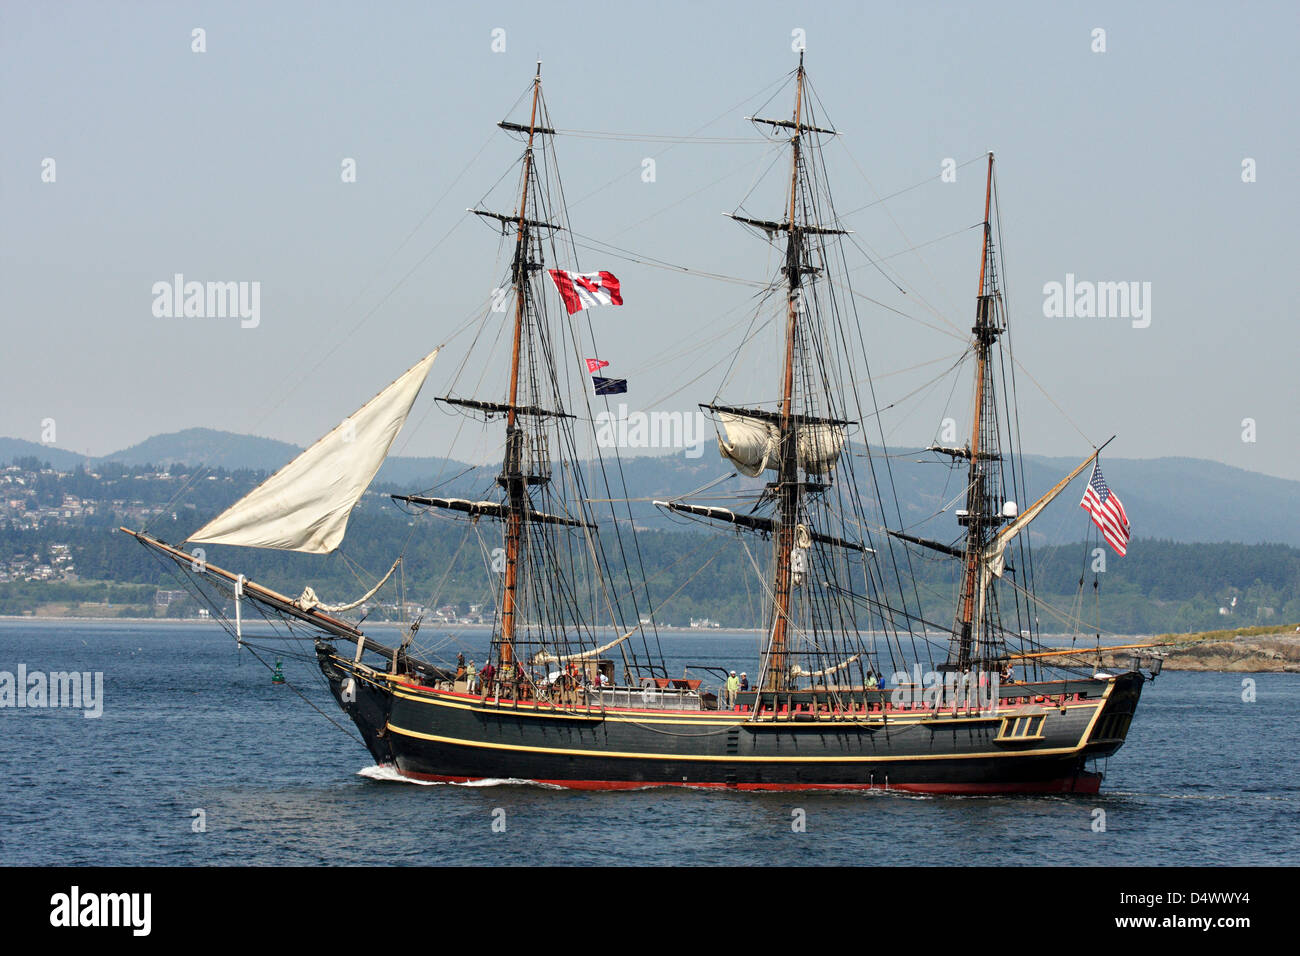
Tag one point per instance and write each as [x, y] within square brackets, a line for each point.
[595, 365]
[582, 290]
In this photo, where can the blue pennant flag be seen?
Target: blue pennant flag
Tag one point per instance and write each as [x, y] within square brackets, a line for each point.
[609, 386]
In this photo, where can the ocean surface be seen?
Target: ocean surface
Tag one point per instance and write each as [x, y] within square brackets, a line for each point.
[192, 724]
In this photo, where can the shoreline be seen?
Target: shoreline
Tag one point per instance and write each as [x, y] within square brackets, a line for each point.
[1246, 650]
[1255, 650]
[206, 622]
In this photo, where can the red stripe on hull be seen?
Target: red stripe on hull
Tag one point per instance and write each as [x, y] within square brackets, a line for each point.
[1084, 783]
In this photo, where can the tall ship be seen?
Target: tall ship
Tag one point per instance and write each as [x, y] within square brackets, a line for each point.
[854, 687]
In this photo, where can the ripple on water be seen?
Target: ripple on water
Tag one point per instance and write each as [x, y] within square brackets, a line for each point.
[186, 728]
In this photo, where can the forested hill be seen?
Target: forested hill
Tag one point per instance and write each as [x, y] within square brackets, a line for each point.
[1161, 586]
[1177, 499]
[1175, 577]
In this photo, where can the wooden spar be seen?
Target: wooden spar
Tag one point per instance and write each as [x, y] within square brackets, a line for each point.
[792, 280]
[513, 458]
[992, 555]
[988, 195]
[974, 545]
[775, 678]
[254, 590]
[1087, 652]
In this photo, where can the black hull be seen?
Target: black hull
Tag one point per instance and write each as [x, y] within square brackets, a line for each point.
[435, 735]
[432, 761]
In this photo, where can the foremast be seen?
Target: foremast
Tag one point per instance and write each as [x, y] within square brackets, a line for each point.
[553, 588]
[524, 459]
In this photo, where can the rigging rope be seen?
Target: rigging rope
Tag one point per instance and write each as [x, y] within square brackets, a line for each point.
[309, 601]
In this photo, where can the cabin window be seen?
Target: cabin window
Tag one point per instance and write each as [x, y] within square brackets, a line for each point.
[1113, 727]
[1022, 728]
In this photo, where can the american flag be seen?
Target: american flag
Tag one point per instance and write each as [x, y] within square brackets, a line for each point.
[1106, 510]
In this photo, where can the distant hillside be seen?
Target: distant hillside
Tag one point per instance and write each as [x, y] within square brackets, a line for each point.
[207, 446]
[1174, 499]
[219, 449]
[1160, 586]
[11, 448]
[416, 474]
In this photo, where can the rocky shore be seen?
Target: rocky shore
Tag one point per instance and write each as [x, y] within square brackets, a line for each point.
[1246, 650]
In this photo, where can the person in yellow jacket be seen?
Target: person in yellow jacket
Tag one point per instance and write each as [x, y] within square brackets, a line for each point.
[733, 688]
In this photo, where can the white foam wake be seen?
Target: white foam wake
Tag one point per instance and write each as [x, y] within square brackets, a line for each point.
[387, 773]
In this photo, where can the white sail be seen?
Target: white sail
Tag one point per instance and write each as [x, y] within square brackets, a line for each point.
[820, 447]
[753, 445]
[305, 505]
[750, 444]
[995, 550]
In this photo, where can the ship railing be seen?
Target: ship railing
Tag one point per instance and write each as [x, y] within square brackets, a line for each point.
[580, 700]
[646, 698]
[873, 704]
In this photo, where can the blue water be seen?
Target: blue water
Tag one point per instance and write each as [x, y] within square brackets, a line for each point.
[1205, 778]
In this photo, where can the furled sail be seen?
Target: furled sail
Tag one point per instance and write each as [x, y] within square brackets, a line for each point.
[305, 505]
[753, 444]
[819, 447]
[547, 657]
[798, 671]
[310, 601]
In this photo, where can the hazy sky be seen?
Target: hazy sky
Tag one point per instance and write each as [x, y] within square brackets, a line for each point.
[1117, 166]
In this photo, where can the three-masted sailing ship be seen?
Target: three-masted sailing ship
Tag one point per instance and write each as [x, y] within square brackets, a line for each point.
[840, 699]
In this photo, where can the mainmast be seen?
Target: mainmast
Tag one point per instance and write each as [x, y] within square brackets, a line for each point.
[802, 438]
[980, 518]
[512, 476]
[789, 489]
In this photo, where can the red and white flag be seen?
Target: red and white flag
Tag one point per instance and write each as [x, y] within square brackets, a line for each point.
[583, 290]
[1107, 513]
[595, 365]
